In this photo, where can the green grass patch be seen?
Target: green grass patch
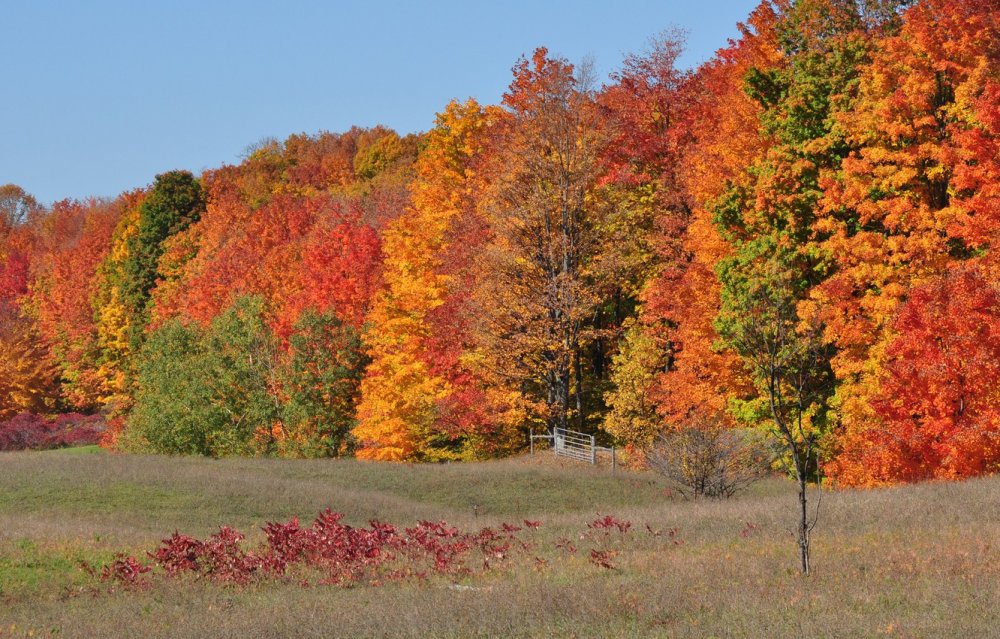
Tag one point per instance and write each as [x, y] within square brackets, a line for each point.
[92, 449]
[30, 569]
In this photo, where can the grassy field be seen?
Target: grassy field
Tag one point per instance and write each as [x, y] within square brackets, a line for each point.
[918, 561]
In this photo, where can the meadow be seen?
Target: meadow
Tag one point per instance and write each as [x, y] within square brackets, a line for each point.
[913, 561]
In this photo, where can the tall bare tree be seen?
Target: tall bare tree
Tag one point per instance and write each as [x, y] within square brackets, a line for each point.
[536, 292]
[15, 206]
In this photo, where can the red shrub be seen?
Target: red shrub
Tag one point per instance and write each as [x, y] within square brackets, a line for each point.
[221, 557]
[343, 554]
[178, 553]
[332, 552]
[126, 571]
[28, 431]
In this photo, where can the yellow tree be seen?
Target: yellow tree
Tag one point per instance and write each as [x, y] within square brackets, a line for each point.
[400, 413]
[111, 315]
[27, 373]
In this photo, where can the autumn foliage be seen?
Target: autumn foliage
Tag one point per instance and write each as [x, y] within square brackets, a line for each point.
[938, 400]
[588, 255]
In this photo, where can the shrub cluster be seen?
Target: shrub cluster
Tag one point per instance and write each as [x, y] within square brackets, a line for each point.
[29, 431]
[228, 388]
[329, 552]
[711, 460]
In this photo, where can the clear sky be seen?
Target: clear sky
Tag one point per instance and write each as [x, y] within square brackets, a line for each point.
[97, 97]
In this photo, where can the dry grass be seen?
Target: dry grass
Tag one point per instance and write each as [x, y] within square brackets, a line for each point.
[919, 561]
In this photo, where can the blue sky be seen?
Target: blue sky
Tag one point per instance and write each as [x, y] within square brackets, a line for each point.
[98, 97]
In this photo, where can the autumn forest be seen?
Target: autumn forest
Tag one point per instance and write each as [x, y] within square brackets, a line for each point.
[801, 234]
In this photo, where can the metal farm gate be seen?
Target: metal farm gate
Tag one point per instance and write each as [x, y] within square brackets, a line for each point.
[575, 445]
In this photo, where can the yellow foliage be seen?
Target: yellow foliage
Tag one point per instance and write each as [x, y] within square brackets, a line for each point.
[398, 411]
[112, 318]
[27, 376]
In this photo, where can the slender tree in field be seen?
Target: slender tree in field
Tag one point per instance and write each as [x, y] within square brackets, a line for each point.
[769, 219]
[789, 366]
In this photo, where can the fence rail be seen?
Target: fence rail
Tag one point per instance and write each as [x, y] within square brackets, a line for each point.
[574, 445]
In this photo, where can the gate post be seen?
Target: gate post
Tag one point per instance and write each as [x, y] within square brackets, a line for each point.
[593, 451]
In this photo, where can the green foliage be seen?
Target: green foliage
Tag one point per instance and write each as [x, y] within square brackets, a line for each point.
[777, 256]
[173, 405]
[322, 382]
[175, 201]
[207, 391]
[787, 360]
[377, 157]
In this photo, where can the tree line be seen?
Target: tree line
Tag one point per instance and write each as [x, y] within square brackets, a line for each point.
[799, 236]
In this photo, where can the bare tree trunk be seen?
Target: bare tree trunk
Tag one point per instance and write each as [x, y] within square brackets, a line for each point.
[578, 365]
[564, 395]
[804, 527]
[552, 384]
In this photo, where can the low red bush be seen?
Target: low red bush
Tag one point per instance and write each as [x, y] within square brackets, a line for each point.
[338, 553]
[28, 431]
[608, 523]
[333, 553]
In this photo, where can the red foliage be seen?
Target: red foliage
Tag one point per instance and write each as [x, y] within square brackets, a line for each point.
[297, 252]
[341, 554]
[178, 553]
[221, 557]
[939, 400]
[608, 523]
[339, 271]
[13, 276]
[644, 112]
[126, 571]
[334, 553]
[681, 304]
[73, 241]
[28, 431]
[603, 558]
